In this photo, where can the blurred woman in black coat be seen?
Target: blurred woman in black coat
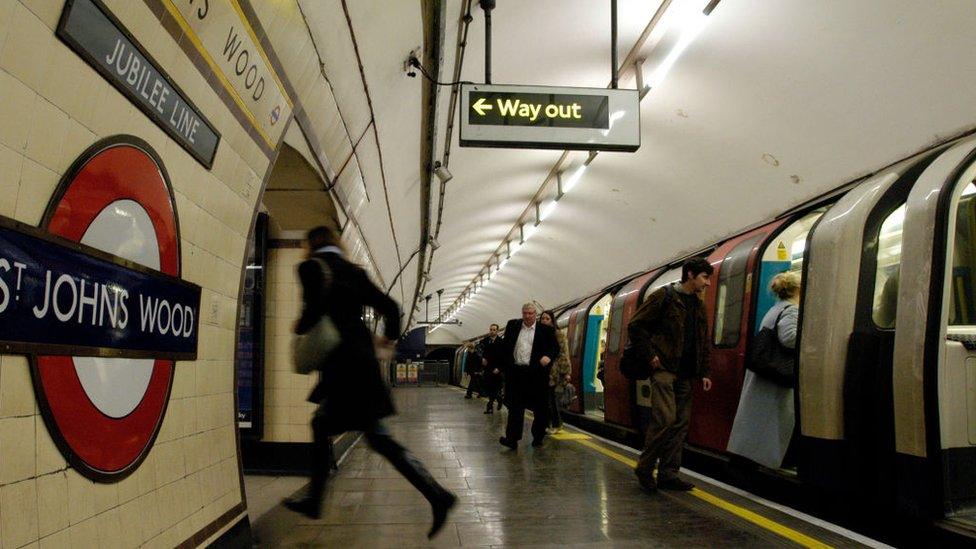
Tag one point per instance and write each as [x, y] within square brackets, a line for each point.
[351, 393]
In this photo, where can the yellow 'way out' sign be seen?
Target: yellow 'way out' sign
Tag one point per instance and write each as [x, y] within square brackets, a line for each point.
[549, 117]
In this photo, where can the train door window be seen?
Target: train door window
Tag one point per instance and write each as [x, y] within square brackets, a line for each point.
[670, 277]
[962, 307]
[731, 293]
[578, 335]
[785, 252]
[614, 338]
[888, 268]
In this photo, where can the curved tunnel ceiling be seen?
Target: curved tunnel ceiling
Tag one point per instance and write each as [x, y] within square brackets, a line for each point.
[772, 104]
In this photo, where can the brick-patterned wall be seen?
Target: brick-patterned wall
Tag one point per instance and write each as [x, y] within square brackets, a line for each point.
[52, 107]
[286, 412]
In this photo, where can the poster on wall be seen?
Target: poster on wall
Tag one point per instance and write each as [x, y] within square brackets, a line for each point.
[249, 353]
[96, 299]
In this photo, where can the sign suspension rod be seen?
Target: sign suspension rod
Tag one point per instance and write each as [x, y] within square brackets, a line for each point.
[487, 6]
[613, 44]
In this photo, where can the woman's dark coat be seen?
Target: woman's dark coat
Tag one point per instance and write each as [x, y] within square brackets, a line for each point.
[351, 389]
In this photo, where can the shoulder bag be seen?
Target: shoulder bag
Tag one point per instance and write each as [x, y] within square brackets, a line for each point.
[312, 349]
[771, 359]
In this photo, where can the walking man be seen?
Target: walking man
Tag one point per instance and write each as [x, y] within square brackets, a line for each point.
[489, 349]
[673, 326]
[528, 350]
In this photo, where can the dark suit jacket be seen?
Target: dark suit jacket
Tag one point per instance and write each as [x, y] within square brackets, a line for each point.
[544, 344]
[527, 387]
[351, 387]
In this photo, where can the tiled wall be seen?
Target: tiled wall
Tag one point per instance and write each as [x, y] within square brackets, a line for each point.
[52, 107]
[286, 412]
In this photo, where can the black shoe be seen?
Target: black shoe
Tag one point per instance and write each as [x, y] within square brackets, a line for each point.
[304, 506]
[512, 445]
[489, 411]
[675, 484]
[440, 510]
[536, 442]
[467, 397]
[648, 485]
[499, 405]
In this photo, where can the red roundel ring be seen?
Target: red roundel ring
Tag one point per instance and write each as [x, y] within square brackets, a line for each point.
[107, 446]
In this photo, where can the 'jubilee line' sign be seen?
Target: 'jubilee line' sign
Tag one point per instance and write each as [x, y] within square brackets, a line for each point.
[550, 118]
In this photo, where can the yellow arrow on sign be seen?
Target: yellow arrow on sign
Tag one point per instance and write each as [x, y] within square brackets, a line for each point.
[480, 106]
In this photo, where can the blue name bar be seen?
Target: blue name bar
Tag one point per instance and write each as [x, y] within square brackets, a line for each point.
[64, 298]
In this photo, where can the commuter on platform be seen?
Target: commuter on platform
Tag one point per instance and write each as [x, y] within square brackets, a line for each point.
[765, 419]
[474, 368]
[560, 374]
[489, 348]
[672, 323]
[528, 350]
[351, 393]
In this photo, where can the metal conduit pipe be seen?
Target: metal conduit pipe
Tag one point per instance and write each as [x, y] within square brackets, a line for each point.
[463, 26]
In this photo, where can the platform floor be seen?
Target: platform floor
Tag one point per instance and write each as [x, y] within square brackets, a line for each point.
[573, 491]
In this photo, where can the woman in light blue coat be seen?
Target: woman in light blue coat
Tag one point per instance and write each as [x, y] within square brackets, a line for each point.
[764, 422]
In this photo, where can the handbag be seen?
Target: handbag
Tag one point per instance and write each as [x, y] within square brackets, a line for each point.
[566, 396]
[771, 359]
[312, 349]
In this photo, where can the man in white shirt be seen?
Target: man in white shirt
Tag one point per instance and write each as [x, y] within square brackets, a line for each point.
[528, 351]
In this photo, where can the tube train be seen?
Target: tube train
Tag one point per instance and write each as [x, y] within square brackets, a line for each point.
[885, 384]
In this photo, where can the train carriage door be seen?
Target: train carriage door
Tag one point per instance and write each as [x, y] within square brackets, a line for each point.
[726, 301]
[867, 409]
[934, 367]
[594, 346]
[765, 414]
[577, 331]
[619, 396]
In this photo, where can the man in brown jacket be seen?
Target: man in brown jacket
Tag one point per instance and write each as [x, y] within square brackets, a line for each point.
[673, 324]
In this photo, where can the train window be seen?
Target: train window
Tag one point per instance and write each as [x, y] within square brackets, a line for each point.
[731, 293]
[888, 265]
[670, 277]
[616, 328]
[962, 308]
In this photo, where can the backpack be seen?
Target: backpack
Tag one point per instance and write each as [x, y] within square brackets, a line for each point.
[771, 359]
[635, 362]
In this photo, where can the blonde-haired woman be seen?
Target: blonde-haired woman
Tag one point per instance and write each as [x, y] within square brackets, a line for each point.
[765, 419]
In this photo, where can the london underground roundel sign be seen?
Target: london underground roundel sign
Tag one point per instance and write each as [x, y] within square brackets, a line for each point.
[104, 400]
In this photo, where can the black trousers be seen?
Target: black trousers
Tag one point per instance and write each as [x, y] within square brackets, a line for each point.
[526, 389]
[554, 419]
[379, 440]
[474, 384]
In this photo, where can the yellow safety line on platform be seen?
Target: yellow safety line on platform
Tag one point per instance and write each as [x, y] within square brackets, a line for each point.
[755, 518]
